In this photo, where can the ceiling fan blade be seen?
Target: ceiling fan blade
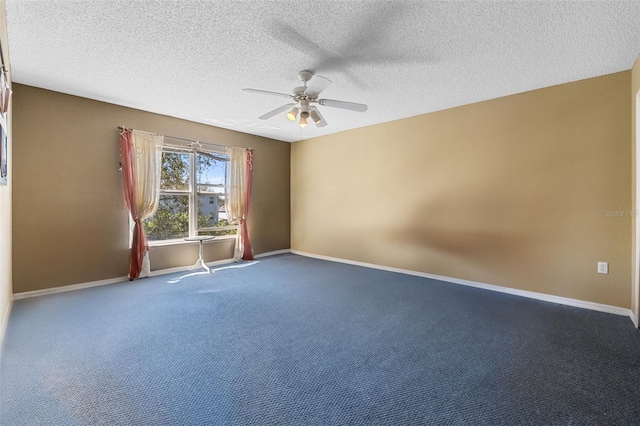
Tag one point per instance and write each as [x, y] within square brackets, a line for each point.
[342, 104]
[317, 84]
[275, 111]
[266, 92]
[321, 120]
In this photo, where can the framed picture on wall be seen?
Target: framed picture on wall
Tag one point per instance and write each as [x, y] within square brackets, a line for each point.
[3, 150]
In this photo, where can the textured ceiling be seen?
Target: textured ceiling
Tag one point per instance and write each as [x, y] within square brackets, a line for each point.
[191, 59]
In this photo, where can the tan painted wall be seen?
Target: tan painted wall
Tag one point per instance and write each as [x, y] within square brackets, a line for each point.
[511, 192]
[5, 203]
[69, 211]
[635, 89]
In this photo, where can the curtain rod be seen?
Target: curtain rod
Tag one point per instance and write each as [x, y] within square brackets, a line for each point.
[121, 128]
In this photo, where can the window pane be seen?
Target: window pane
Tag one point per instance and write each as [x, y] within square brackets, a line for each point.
[211, 210]
[211, 169]
[223, 220]
[175, 171]
[171, 221]
[205, 187]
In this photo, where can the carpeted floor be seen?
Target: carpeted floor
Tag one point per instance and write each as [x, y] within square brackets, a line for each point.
[290, 340]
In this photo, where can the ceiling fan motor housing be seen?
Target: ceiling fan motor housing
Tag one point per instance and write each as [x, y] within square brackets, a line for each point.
[305, 75]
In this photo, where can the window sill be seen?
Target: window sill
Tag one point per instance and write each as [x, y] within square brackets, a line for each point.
[180, 241]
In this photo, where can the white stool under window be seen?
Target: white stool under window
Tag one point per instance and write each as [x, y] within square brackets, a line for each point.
[201, 239]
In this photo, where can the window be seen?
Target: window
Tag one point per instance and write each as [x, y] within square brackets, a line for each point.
[193, 190]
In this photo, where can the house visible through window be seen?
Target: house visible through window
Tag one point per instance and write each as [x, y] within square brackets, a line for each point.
[193, 190]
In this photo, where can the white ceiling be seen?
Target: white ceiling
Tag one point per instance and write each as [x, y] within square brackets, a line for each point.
[191, 59]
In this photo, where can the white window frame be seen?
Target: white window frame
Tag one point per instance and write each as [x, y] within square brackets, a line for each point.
[193, 193]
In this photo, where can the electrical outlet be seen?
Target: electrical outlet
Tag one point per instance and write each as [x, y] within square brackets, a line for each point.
[603, 267]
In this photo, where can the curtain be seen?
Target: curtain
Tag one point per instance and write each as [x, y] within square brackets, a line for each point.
[239, 180]
[141, 155]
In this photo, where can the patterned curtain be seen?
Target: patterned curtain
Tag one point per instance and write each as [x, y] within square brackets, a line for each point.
[239, 180]
[141, 155]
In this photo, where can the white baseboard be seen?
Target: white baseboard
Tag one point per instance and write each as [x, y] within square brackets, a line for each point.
[523, 293]
[4, 323]
[188, 268]
[215, 263]
[634, 318]
[272, 253]
[72, 287]
[61, 289]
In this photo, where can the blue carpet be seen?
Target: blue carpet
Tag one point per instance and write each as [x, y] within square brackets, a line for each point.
[290, 340]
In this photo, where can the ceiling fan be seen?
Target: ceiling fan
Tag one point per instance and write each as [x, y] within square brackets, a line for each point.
[305, 95]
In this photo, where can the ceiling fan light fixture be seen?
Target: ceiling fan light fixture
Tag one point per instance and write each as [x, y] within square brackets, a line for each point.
[293, 113]
[302, 97]
[304, 108]
[315, 116]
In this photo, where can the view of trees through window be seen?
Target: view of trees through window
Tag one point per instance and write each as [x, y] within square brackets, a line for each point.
[192, 197]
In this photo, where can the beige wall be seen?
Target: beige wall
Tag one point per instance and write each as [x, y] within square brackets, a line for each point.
[511, 192]
[69, 213]
[5, 205]
[635, 89]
